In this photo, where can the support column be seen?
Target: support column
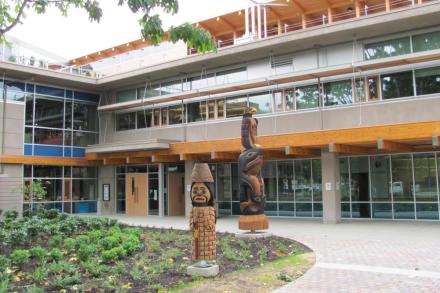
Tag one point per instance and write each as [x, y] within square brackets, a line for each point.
[189, 165]
[161, 198]
[357, 7]
[107, 175]
[331, 193]
[330, 15]
[419, 1]
[387, 5]
[280, 26]
[304, 21]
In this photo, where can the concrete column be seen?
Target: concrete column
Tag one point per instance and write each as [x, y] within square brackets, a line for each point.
[189, 165]
[331, 193]
[161, 199]
[107, 175]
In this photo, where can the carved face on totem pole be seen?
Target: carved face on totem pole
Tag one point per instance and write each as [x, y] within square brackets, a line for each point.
[201, 194]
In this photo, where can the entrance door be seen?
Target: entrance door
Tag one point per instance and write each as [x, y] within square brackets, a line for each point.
[176, 194]
[136, 186]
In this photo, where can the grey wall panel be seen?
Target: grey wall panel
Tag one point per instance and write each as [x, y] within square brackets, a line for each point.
[305, 60]
[13, 128]
[259, 69]
[107, 176]
[10, 188]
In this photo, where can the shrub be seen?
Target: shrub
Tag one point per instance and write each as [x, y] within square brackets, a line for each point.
[133, 231]
[10, 215]
[4, 263]
[39, 253]
[39, 274]
[86, 251]
[82, 240]
[55, 254]
[95, 235]
[114, 254]
[70, 245]
[56, 241]
[48, 214]
[131, 244]
[17, 236]
[20, 257]
[110, 242]
[114, 231]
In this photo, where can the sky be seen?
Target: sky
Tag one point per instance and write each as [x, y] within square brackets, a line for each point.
[75, 35]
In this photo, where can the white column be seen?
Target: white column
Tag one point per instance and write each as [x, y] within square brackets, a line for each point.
[265, 21]
[253, 19]
[246, 21]
[259, 20]
[331, 191]
[161, 199]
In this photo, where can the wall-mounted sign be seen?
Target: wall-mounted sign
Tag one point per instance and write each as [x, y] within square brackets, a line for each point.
[106, 192]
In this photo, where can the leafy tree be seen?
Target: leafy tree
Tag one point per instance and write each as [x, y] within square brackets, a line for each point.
[13, 11]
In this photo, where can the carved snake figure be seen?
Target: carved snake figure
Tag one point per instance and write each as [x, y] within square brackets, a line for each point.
[252, 197]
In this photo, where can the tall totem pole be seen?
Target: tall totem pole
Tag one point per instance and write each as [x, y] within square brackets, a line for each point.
[252, 196]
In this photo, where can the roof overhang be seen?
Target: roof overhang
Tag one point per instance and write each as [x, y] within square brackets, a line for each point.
[144, 145]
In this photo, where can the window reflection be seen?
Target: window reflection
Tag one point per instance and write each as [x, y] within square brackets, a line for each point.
[261, 102]
[307, 97]
[235, 107]
[338, 93]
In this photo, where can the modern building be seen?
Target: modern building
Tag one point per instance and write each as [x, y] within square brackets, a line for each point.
[347, 94]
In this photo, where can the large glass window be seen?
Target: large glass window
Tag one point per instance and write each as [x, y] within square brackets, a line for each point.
[388, 48]
[148, 92]
[175, 114]
[196, 111]
[286, 182]
[48, 136]
[427, 41]
[49, 112]
[307, 97]
[402, 185]
[29, 115]
[380, 178]
[262, 102]
[230, 76]
[224, 181]
[269, 174]
[199, 82]
[84, 139]
[303, 180]
[125, 96]
[85, 117]
[425, 176]
[144, 118]
[172, 87]
[338, 93]
[235, 106]
[428, 81]
[126, 121]
[344, 169]
[397, 85]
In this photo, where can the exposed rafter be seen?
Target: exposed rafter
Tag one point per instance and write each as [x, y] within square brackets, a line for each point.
[224, 156]
[348, 149]
[302, 152]
[165, 159]
[392, 146]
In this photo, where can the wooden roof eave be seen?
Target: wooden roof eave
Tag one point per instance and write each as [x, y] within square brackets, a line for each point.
[285, 78]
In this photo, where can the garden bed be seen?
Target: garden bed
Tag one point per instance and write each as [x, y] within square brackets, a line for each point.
[60, 253]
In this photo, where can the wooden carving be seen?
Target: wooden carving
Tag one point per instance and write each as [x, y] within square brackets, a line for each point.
[202, 216]
[252, 196]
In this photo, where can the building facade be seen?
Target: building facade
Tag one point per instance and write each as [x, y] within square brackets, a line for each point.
[347, 96]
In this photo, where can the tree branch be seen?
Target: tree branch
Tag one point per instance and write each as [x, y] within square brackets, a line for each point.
[17, 18]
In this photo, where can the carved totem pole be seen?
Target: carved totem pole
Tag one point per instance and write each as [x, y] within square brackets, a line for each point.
[202, 216]
[252, 196]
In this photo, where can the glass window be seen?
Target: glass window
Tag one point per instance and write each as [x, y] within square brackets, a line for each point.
[345, 210]
[68, 137]
[425, 184]
[172, 87]
[28, 135]
[148, 92]
[304, 210]
[373, 88]
[84, 189]
[220, 108]
[68, 114]
[307, 97]
[156, 114]
[387, 48]
[224, 187]
[271, 209]
[175, 114]
[289, 96]
[360, 90]
[235, 182]
[196, 111]
[317, 180]
[278, 98]
[126, 121]
[345, 179]
[48, 136]
[29, 116]
[360, 210]
[404, 211]
[144, 118]
[380, 178]
[428, 81]
[261, 102]
[84, 139]
[235, 106]
[382, 211]
[49, 112]
[303, 180]
[85, 117]
[83, 172]
[15, 91]
[285, 181]
[230, 76]
[425, 42]
[211, 109]
[164, 116]
[427, 211]
[397, 85]
[53, 188]
[360, 189]
[48, 171]
[125, 96]
[338, 93]
[269, 174]
[286, 209]
[402, 186]
[199, 82]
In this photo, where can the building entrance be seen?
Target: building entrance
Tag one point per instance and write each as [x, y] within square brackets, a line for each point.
[136, 186]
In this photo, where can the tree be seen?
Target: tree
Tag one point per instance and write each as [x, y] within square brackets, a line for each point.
[13, 11]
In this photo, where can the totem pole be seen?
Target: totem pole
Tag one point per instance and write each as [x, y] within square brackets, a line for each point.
[202, 216]
[252, 196]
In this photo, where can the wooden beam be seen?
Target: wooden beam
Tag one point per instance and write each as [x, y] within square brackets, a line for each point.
[357, 8]
[195, 157]
[304, 21]
[392, 146]
[165, 158]
[298, 6]
[274, 154]
[387, 5]
[109, 161]
[224, 156]
[43, 160]
[330, 15]
[134, 160]
[228, 24]
[302, 152]
[348, 149]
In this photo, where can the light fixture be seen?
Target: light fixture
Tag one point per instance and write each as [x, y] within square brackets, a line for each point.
[99, 53]
[86, 57]
[239, 12]
[350, 9]
[128, 44]
[218, 18]
[113, 49]
[287, 1]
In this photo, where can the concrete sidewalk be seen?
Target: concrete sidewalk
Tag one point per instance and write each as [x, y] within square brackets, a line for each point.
[355, 256]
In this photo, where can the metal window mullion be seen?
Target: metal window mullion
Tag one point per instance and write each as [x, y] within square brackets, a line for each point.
[349, 186]
[294, 187]
[414, 185]
[276, 186]
[369, 188]
[414, 82]
[311, 185]
[34, 98]
[390, 187]
[437, 180]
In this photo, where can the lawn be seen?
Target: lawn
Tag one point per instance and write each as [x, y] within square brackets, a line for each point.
[55, 252]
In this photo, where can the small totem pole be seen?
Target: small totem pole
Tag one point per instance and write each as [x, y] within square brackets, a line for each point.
[252, 196]
[202, 216]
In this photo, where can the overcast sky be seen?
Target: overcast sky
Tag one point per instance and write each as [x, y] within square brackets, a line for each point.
[75, 35]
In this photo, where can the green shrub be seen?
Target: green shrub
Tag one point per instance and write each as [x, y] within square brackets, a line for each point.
[49, 214]
[39, 253]
[20, 257]
[70, 245]
[82, 240]
[4, 263]
[56, 241]
[109, 242]
[39, 274]
[133, 231]
[114, 231]
[95, 235]
[114, 254]
[66, 281]
[56, 254]
[10, 215]
[93, 267]
[17, 237]
[86, 251]
[131, 244]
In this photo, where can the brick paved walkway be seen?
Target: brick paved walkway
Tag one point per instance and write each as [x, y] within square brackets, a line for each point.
[355, 256]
